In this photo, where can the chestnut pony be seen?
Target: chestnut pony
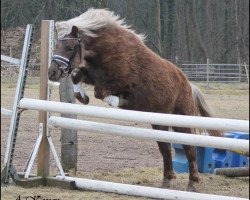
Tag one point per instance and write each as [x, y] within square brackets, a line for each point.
[98, 48]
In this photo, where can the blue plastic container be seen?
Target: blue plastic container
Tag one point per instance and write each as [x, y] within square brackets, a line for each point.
[210, 158]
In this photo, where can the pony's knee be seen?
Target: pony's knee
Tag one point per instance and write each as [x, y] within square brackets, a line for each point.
[101, 92]
[76, 76]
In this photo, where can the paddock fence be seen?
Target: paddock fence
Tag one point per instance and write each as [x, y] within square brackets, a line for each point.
[197, 72]
[216, 73]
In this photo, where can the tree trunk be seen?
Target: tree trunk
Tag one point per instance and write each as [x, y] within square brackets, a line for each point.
[68, 137]
[167, 19]
[237, 31]
[201, 43]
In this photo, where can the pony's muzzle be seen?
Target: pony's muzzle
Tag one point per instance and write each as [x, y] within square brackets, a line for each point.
[57, 70]
[54, 73]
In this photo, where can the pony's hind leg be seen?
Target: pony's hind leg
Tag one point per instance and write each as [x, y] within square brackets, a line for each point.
[191, 157]
[185, 105]
[165, 149]
[168, 172]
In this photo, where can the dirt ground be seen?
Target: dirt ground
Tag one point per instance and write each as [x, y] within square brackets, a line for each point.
[114, 158]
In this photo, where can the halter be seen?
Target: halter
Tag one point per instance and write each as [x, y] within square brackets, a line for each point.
[67, 65]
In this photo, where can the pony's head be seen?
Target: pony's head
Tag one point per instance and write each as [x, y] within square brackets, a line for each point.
[70, 51]
[67, 55]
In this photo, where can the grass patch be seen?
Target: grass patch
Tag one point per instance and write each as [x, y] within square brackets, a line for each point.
[135, 176]
[13, 192]
[141, 176]
[210, 184]
[224, 88]
[31, 82]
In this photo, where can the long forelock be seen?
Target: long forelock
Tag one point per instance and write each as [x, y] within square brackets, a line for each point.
[91, 20]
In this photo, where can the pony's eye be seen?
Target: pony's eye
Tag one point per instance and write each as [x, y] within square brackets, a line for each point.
[70, 48]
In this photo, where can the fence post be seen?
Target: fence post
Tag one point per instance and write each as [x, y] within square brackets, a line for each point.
[240, 73]
[207, 85]
[68, 137]
[44, 150]
[196, 71]
[10, 67]
[246, 72]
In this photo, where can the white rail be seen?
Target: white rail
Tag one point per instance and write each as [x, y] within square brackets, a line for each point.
[11, 60]
[136, 116]
[149, 134]
[150, 192]
[156, 135]
[6, 112]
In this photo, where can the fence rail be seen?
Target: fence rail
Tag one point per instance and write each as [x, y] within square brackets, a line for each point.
[10, 60]
[209, 72]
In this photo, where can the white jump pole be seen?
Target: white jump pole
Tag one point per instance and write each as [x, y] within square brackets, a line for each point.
[150, 192]
[149, 134]
[136, 116]
[6, 112]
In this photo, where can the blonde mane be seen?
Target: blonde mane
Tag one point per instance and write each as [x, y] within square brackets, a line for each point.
[91, 20]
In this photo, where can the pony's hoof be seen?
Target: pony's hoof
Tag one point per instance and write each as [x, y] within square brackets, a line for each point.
[122, 102]
[191, 187]
[166, 183]
[84, 100]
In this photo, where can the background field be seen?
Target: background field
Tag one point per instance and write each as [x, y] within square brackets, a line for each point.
[118, 159]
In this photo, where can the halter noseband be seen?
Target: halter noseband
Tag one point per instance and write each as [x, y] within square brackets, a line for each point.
[67, 66]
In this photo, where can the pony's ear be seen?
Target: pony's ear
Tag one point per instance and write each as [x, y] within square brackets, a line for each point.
[74, 32]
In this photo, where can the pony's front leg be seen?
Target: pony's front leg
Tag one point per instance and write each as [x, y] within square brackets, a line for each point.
[106, 96]
[80, 94]
[112, 100]
[76, 77]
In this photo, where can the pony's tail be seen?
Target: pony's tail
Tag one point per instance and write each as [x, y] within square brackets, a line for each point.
[202, 109]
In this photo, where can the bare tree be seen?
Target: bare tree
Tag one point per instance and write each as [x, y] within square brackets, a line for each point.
[190, 29]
